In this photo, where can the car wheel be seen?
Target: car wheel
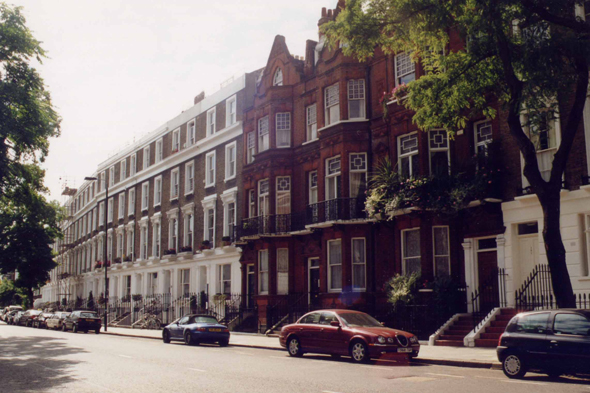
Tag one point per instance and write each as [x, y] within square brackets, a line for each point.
[224, 343]
[166, 337]
[513, 366]
[74, 328]
[294, 347]
[359, 352]
[188, 338]
[97, 331]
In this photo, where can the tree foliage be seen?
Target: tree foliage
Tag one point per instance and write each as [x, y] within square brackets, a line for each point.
[531, 56]
[28, 222]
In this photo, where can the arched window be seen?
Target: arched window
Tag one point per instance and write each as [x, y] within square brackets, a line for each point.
[278, 79]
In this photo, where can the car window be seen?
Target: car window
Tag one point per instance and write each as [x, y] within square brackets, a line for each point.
[311, 318]
[359, 320]
[210, 320]
[183, 321]
[89, 315]
[571, 324]
[327, 317]
[533, 323]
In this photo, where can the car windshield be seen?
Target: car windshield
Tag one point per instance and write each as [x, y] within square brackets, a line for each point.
[88, 315]
[359, 320]
[209, 320]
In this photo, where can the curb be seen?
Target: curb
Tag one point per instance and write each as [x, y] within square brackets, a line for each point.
[439, 362]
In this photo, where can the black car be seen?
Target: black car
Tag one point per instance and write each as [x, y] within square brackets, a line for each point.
[552, 342]
[29, 317]
[196, 329]
[82, 321]
[41, 321]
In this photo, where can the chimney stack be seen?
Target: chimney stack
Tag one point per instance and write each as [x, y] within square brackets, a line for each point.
[200, 97]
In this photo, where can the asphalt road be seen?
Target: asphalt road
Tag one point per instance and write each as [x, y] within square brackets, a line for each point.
[33, 360]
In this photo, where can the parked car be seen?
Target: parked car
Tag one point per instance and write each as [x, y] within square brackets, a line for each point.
[41, 320]
[9, 317]
[196, 329]
[346, 332]
[16, 318]
[7, 311]
[552, 342]
[56, 320]
[28, 317]
[82, 321]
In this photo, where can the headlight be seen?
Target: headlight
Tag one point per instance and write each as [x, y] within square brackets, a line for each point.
[381, 340]
[390, 340]
[413, 339]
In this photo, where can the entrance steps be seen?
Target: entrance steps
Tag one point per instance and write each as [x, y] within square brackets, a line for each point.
[454, 334]
[490, 336]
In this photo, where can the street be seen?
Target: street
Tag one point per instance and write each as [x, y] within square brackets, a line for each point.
[33, 360]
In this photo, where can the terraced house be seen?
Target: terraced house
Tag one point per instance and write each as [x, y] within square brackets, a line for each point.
[172, 209]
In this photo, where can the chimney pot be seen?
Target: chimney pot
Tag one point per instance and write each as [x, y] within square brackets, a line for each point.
[323, 12]
[200, 97]
[329, 13]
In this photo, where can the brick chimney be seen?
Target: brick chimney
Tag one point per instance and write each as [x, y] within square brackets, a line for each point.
[200, 97]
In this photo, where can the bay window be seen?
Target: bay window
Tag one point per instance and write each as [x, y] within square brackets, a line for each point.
[263, 138]
[333, 178]
[311, 122]
[283, 129]
[405, 69]
[356, 99]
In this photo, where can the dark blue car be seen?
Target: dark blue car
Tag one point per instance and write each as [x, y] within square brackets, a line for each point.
[196, 329]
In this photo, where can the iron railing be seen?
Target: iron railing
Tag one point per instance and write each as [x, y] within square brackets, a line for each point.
[490, 294]
[536, 293]
[336, 210]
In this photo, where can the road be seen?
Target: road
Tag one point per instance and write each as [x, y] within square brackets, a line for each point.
[33, 360]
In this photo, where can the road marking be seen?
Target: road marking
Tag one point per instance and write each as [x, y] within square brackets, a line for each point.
[126, 357]
[198, 369]
[526, 382]
[446, 375]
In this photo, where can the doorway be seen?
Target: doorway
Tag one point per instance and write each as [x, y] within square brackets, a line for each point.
[314, 281]
[528, 250]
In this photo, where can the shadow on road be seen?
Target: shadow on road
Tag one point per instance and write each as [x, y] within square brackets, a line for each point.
[30, 364]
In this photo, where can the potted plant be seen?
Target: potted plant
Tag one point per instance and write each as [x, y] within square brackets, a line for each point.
[118, 260]
[205, 245]
[98, 265]
[170, 251]
[226, 241]
[186, 249]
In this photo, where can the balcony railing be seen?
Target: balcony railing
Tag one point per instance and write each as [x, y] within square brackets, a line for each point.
[271, 225]
[341, 209]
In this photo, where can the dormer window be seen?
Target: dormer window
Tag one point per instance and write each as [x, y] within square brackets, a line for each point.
[278, 79]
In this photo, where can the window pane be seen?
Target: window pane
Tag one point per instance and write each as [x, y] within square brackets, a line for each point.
[571, 324]
[535, 323]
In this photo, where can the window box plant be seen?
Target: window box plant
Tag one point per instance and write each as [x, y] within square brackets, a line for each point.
[205, 245]
[226, 240]
[170, 251]
[186, 249]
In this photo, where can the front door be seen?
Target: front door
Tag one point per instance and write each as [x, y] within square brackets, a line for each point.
[314, 281]
[250, 286]
[487, 270]
[528, 255]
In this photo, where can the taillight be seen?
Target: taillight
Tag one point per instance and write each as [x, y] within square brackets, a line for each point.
[500, 339]
[225, 330]
[202, 329]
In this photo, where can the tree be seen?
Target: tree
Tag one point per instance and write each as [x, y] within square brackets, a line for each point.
[530, 55]
[28, 223]
[9, 294]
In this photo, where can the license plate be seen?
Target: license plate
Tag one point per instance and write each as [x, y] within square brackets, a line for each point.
[214, 330]
[90, 320]
[404, 350]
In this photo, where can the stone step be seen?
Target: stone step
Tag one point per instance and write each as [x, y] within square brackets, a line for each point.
[490, 336]
[456, 330]
[486, 343]
[499, 324]
[465, 318]
[451, 337]
[448, 343]
[491, 329]
[509, 311]
[464, 323]
[504, 317]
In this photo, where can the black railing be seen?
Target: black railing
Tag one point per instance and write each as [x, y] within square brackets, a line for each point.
[490, 294]
[536, 293]
[277, 224]
[336, 210]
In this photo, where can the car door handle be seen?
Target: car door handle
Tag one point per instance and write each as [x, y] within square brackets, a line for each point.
[553, 342]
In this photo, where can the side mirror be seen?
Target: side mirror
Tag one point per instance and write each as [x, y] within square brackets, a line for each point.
[335, 323]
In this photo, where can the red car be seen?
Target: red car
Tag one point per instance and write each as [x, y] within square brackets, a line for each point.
[346, 332]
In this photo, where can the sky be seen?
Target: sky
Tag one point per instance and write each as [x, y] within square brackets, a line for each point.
[118, 69]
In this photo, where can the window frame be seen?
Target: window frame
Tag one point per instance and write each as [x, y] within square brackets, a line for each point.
[403, 248]
[263, 138]
[158, 191]
[327, 107]
[211, 121]
[265, 198]
[145, 197]
[282, 193]
[131, 201]
[175, 147]
[277, 79]
[210, 167]
[191, 133]
[133, 165]
[189, 230]
[174, 174]
[112, 176]
[397, 76]
[121, 205]
[362, 105]
[435, 255]
[432, 150]
[159, 150]
[262, 272]
[189, 178]
[313, 189]
[221, 279]
[146, 157]
[364, 264]
[228, 114]
[337, 182]
[111, 211]
[311, 122]
[122, 171]
[401, 156]
[250, 147]
[478, 143]
[330, 265]
[352, 171]
[282, 291]
[231, 164]
[284, 129]
[157, 239]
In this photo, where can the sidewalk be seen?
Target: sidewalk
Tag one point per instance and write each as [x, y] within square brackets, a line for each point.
[448, 356]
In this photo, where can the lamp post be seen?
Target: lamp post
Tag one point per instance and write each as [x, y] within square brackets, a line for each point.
[104, 249]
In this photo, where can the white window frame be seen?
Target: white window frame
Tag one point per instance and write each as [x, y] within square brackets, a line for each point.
[191, 133]
[329, 112]
[330, 289]
[282, 193]
[210, 169]
[404, 258]
[143, 241]
[251, 146]
[189, 178]
[112, 176]
[311, 121]
[263, 199]
[211, 119]
[111, 211]
[173, 233]
[189, 229]
[121, 205]
[399, 71]
[145, 195]
[184, 277]
[159, 150]
[364, 264]
[158, 191]
[156, 239]
[206, 228]
[123, 171]
[146, 157]
[133, 165]
[120, 244]
[227, 222]
[263, 275]
[356, 171]
[408, 155]
[263, 134]
[231, 118]
[283, 126]
[285, 274]
[131, 197]
[356, 92]
[329, 179]
[175, 148]
[131, 243]
[313, 189]
[174, 184]
[252, 212]
[221, 279]
[482, 143]
[432, 150]
[435, 255]
[277, 79]
[231, 166]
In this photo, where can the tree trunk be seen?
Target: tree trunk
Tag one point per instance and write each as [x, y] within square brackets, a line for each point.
[560, 279]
